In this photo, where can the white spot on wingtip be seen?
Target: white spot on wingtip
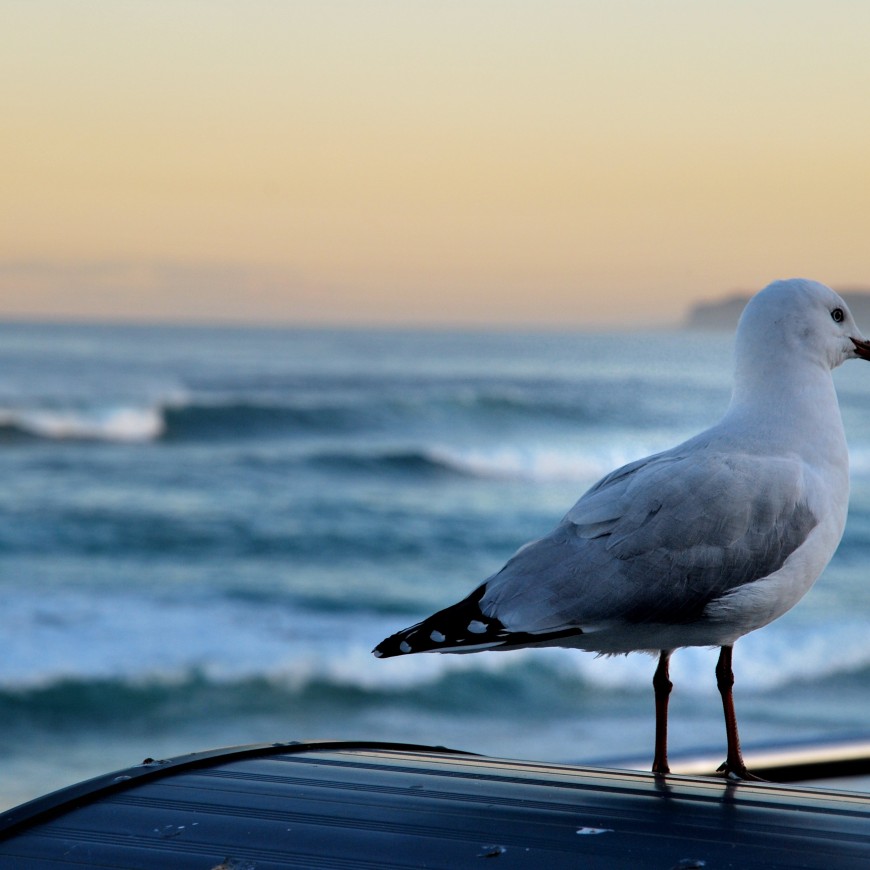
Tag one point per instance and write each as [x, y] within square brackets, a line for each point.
[377, 653]
[405, 647]
[437, 637]
[476, 627]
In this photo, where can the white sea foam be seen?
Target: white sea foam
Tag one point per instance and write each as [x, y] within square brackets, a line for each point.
[780, 655]
[542, 462]
[120, 423]
[73, 635]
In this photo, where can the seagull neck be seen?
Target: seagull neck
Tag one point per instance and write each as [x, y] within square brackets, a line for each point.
[779, 404]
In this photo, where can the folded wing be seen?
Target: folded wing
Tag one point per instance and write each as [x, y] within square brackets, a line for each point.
[655, 541]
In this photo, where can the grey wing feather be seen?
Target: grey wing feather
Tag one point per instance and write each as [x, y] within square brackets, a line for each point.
[656, 541]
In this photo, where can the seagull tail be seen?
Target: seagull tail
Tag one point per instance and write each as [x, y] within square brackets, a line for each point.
[462, 628]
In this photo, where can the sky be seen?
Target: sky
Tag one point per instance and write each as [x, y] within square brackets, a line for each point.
[453, 162]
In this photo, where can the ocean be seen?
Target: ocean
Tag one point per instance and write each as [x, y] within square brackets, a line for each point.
[204, 532]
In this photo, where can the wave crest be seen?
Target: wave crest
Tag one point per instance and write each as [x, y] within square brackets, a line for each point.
[75, 636]
[120, 424]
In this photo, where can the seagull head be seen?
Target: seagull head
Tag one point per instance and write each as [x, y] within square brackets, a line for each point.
[801, 319]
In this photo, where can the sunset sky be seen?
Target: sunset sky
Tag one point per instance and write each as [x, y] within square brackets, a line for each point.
[479, 162]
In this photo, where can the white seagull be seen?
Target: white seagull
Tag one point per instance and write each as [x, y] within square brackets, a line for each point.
[700, 544]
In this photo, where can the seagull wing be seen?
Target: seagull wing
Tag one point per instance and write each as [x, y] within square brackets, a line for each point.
[656, 541]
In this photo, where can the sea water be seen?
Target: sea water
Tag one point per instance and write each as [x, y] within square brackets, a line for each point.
[204, 532]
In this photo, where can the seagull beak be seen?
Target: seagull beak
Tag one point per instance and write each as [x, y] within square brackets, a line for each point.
[862, 348]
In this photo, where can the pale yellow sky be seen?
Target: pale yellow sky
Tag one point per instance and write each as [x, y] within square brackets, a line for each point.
[481, 162]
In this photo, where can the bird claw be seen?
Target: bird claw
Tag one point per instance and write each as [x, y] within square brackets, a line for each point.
[737, 773]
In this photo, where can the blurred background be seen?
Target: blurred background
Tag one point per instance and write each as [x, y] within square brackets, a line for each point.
[312, 313]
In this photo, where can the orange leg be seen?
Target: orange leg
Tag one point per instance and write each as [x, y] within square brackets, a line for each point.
[662, 687]
[734, 766]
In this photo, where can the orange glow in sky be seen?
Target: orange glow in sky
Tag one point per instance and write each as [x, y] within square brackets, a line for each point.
[484, 162]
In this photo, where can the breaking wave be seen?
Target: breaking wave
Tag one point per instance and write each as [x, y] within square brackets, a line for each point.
[125, 424]
[204, 416]
[152, 646]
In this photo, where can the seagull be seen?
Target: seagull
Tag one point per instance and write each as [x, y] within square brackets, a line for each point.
[697, 545]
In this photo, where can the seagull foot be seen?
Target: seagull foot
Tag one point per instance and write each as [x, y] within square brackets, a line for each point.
[738, 773]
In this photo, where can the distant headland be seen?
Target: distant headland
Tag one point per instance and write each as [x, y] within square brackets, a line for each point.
[724, 313]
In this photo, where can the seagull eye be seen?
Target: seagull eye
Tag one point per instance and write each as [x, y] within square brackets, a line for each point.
[838, 315]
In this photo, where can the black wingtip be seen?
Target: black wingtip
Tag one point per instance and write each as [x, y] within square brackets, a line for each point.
[444, 631]
[463, 628]
[395, 644]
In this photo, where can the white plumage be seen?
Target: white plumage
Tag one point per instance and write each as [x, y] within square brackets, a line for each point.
[700, 544]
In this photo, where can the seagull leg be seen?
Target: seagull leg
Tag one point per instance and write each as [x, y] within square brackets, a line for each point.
[734, 766]
[662, 687]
